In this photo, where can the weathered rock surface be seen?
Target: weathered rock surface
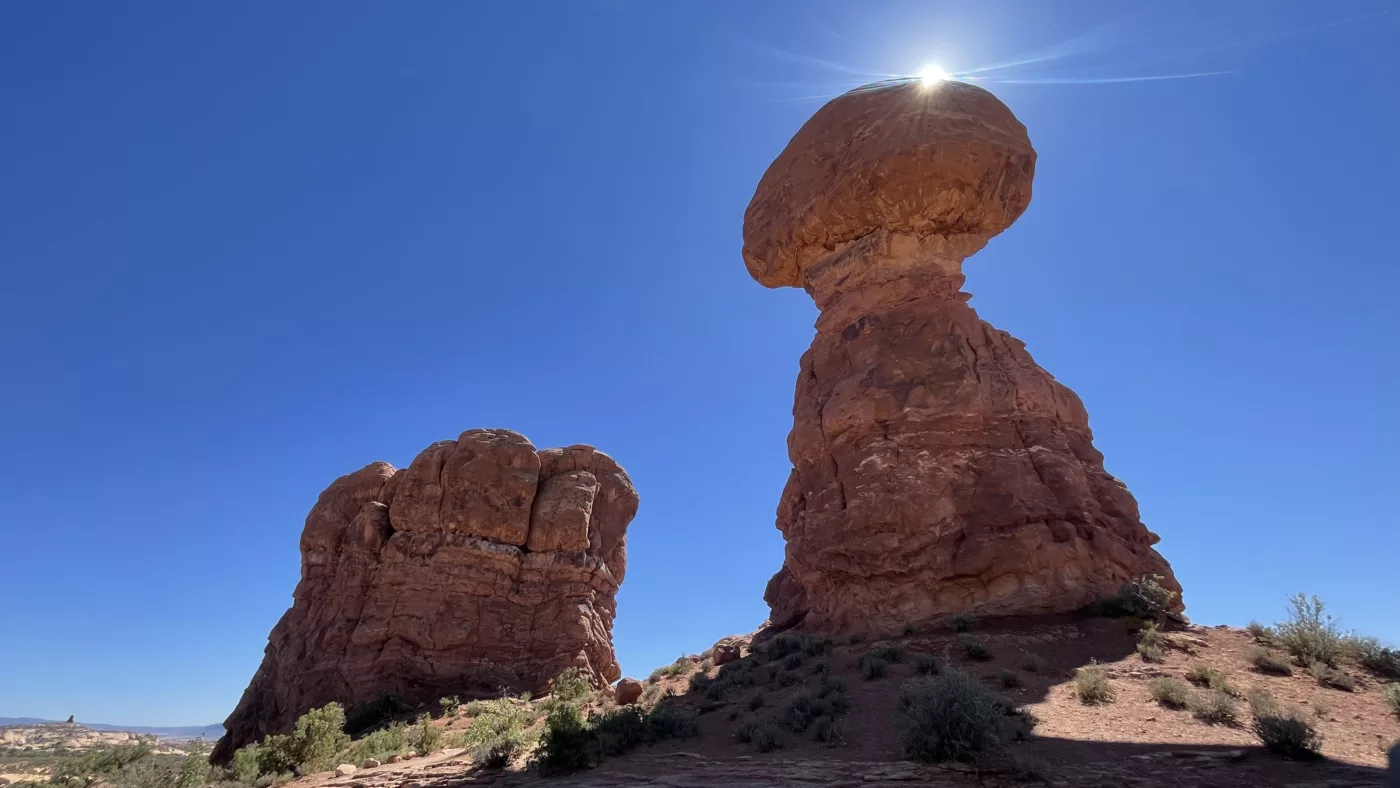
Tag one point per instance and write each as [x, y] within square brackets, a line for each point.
[937, 469]
[628, 691]
[483, 564]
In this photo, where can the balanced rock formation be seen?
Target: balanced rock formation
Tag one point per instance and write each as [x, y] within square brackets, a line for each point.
[936, 469]
[483, 564]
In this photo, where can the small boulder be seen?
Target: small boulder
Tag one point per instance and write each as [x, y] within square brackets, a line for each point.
[344, 770]
[370, 763]
[726, 651]
[395, 758]
[628, 691]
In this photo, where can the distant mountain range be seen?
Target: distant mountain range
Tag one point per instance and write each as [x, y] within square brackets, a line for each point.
[210, 732]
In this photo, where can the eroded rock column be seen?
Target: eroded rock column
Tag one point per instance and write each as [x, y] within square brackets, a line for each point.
[483, 564]
[937, 470]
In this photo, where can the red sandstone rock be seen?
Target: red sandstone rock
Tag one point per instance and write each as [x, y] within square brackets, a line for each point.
[937, 469]
[484, 564]
[628, 691]
[725, 651]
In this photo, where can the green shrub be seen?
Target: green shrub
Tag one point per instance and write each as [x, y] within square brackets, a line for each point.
[1091, 685]
[1150, 653]
[379, 745]
[1143, 598]
[450, 705]
[1032, 663]
[1289, 734]
[1210, 678]
[1171, 693]
[975, 649]
[245, 764]
[571, 686]
[1009, 679]
[763, 736]
[1390, 693]
[680, 667]
[620, 730]
[1310, 633]
[828, 730]
[424, 737]
[872, 668]
[1329, 676]
[1214, 707]
[963, 622]
[927, 665]
[566, 744]
[318, 736]
[498, 730]
[1261, 633]
[194, 769]
[698, 682]
[1266, 661]
[665, 722]
[1382, 661]
[952, 717]
[1262, 703]
[107, 765]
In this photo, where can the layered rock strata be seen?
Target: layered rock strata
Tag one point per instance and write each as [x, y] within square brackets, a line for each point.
[485, 564]
[937, 470]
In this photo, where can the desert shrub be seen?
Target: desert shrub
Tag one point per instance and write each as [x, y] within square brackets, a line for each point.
[802, 708]
[450, 705]
[1143, 598]
[320, 734]
[909, 630]
[1382, 661]
[378, 745]
[1331, 677]
[831, 685]
[785, 644]
[698, 682]
[764, 737]
[927, 665]
[112, 765]
[1289, 734]
[887, 652]
[680, 667]
[374, 713]
[566, 744]
[1261, 633]
[498, 730]
[570, 686]
[1266, 661]
[951, 717]
[1210, 678]
[1390, 693]
[423, 737]
[194, 769]
[792, 661]
[828, 730]
[1091, 685]
[1153, 637]
[1310, 633]
[665, 722]
[1009, 679]
[1150, 653]
[789, 679]
[815, 645]
[1214, 707]
[1172, 693]
[821, 666]
[975, 649]
[757, 701]
[245, 764]
[1261, 702]
[963, 622]
[872, 668]
[620, 730]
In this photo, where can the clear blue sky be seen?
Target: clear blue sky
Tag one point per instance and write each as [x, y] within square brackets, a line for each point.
[247, 248]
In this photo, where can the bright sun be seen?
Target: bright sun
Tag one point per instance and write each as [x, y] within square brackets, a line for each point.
[932, 73]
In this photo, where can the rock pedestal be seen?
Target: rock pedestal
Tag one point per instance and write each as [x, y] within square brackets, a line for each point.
[937, 470]
[484, 564]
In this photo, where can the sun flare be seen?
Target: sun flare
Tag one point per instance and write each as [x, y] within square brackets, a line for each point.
[932, 74]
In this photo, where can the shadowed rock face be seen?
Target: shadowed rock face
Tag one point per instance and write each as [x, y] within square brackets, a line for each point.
[483, 564]
[937, 469]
